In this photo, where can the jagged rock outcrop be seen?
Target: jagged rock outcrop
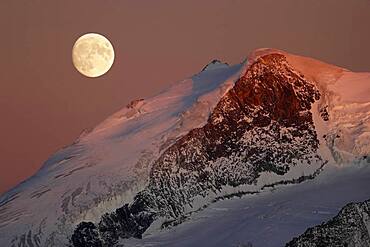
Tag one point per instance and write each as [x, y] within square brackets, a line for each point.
[215, 63]
[263, 124]
[351, 227]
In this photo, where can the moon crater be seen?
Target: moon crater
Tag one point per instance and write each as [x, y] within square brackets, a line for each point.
[92, 55]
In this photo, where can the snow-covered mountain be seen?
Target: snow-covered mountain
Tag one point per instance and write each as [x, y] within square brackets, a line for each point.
[275, 119]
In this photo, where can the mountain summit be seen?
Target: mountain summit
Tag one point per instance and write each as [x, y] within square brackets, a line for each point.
[275, 119]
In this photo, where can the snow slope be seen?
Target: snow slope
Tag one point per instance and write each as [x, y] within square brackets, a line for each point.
[110, 165]
[269, 219]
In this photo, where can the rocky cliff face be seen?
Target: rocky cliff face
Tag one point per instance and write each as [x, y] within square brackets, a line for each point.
[263, 124]
[351, 227]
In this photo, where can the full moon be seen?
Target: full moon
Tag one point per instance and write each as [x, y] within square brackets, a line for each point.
[92, 55]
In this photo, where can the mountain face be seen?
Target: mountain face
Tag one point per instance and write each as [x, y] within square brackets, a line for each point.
[351, 227]
[272, 120]
[262, 124]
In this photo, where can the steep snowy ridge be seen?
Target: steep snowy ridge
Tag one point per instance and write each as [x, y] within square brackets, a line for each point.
[274, 119]
[344, 106]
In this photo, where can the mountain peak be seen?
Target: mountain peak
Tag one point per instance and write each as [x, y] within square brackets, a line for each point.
[215, 64]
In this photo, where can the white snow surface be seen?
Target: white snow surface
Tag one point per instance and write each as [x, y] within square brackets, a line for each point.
[106, 168]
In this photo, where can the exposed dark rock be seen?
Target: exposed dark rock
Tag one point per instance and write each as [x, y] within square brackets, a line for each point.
[134, 103]
[86, 234]
[351, 227]
[324, 113]
[213, 62]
